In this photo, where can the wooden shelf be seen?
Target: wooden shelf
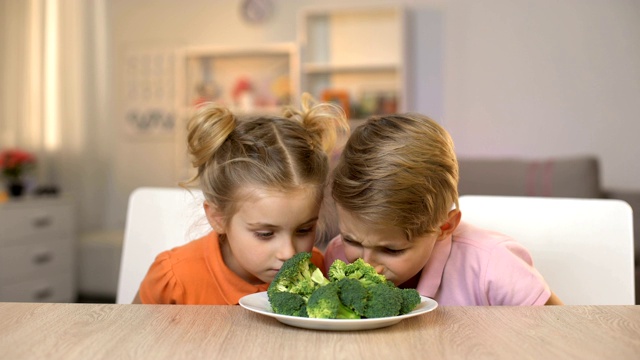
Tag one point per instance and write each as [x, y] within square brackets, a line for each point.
[355, 50]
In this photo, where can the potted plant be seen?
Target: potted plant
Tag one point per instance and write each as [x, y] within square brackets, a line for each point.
[14, 163]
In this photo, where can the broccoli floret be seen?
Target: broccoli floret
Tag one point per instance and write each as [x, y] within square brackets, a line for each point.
[337, 270]
[353, 294]
[384, 301]
[287, 303]
[325, 303]
[359, 270]
[410, 299]
[298, 276]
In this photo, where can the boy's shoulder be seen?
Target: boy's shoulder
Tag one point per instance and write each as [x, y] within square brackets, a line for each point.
[468, 235]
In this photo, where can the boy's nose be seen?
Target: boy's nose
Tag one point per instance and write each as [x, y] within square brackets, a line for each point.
[369, 258]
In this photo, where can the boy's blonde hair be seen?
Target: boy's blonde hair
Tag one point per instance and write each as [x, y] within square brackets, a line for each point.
[398, 171]
[272, 152]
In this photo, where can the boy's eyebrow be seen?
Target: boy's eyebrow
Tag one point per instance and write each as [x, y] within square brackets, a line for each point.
[348, 237]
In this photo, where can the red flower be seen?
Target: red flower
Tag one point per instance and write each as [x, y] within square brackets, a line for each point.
[15, 162]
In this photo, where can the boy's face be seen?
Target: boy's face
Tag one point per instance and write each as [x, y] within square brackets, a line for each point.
[269, 228]
[387, 249]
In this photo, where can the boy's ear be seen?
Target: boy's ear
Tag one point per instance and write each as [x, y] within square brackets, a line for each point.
[450, 225]
[214, 217]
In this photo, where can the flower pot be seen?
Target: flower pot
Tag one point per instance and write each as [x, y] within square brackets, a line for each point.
[15, 189]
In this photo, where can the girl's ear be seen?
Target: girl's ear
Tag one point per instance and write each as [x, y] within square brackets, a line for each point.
[450, 225]
[215, 217]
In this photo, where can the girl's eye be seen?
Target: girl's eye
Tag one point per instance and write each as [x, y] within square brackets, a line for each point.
[304, 231]
[263, 235]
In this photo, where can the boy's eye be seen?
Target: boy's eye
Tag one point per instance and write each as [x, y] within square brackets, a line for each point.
[393, 251]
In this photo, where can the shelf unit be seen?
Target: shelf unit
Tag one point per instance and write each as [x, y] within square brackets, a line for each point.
[223, 75]
[357, 51]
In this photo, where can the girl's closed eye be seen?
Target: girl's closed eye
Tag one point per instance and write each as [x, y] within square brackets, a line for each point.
[263, 235]
[305, 231]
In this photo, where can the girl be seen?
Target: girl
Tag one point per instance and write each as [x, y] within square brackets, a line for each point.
[263, 180]
[396, 192]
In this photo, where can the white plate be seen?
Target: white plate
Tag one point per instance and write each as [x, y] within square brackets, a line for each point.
[259, 302]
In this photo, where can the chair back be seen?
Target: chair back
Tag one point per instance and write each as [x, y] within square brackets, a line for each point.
[582, 247]
[158, 219]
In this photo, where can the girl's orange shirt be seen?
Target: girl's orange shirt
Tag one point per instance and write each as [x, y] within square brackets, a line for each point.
[195, 274]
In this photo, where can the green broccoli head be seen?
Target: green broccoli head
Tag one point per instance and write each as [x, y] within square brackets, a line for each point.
[353, 294]
[325, 303]
[297, 275]
[410, 299]
[359, 270]
[364, 272]
[287, 303]
[337, 270]
[384, 301]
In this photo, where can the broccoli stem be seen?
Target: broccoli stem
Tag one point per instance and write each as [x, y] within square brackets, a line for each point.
[346, 313]
[318, 278]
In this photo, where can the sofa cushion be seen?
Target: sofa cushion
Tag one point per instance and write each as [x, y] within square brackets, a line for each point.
[558, 177]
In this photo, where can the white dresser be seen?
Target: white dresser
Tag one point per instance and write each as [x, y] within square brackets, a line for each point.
[38, 250]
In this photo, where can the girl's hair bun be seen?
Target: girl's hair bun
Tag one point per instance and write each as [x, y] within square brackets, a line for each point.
[322, 121]
[207, 131]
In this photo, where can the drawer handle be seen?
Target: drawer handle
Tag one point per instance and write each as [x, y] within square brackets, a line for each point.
[42, 258]
[41, 222]
[43, 293]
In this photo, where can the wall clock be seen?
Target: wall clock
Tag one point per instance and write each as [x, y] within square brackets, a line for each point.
[256, 11]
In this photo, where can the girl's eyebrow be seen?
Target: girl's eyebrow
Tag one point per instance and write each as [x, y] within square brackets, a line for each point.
[314, 219]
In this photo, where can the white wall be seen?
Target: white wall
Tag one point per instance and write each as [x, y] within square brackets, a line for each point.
[546, 78]
[506, 77]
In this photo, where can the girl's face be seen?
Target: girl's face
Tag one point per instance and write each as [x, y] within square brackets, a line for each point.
[387, 249]
[269, 227]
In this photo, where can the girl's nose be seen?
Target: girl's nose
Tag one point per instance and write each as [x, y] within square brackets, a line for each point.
[286, 249]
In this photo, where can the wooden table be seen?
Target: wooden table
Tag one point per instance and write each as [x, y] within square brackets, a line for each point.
[98, 331]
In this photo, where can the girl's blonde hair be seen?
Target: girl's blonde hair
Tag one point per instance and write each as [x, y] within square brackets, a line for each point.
[398, 171]
[282, 153]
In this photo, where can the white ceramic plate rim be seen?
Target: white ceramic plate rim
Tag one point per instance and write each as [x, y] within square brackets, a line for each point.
[259, 303]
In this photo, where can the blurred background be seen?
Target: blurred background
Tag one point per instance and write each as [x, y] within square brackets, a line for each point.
[98, 90]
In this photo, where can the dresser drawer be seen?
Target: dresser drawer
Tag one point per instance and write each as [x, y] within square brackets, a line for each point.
[21, 261]
[20, 222]
[58, 287]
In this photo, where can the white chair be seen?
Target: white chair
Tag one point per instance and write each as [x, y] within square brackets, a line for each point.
[583, 247]
[158, 219]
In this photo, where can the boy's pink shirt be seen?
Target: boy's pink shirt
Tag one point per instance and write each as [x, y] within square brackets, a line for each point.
[474, 267]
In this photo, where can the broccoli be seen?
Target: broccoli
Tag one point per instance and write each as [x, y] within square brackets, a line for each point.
[287, 303]
[358, 270]
[353, 294]
[384, 301]
[325, 303]
[353, 291]
[410, 299]
[298, 276]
